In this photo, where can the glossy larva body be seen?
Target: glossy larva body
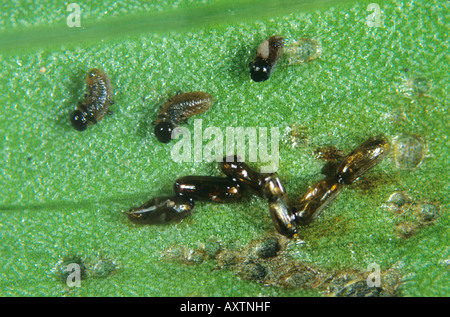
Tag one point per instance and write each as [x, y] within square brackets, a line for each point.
[363, 158]
[268, 186]
[96, 104]
[316, 199]
[267, 57]
[241, 173]
[208, 188]
[177, 109]
[162, 211]
[286, 216]
[279, 206]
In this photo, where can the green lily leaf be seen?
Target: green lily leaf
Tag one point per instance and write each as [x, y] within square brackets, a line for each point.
[382, 69]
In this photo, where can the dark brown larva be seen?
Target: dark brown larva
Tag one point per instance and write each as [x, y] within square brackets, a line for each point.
[362, 158]
[267, 56]
[285, 216]
[316, 199]
[177, 109]
[266, 186]
[162, 211]
[97, 102]
[243, 174]
[208, 188]
[279, 206]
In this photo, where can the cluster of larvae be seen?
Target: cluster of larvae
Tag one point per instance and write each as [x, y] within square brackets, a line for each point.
[177, 109]
[172, 113]
[240, 178]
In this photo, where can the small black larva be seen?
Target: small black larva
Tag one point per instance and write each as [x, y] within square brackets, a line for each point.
[177, 109]
[267, 56]
[97, 102]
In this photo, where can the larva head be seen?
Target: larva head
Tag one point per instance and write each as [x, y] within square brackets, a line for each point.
[260, 70]
[78, 120]
[163, 131]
